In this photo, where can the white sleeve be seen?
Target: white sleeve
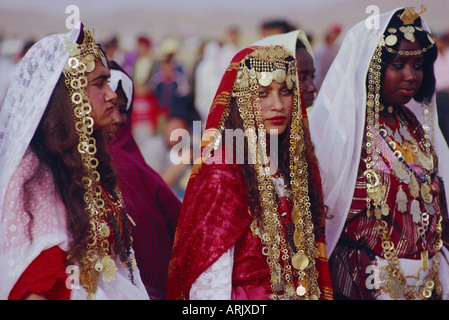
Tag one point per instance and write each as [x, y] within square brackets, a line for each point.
[216, 282]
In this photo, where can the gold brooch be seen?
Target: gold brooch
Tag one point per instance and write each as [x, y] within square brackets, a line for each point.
[410, 15]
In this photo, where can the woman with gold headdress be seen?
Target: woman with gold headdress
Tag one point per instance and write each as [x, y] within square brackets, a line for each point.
[64, 231]
[383, 162]
[252, 221]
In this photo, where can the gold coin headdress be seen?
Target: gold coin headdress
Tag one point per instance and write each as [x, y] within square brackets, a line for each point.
[408, 18]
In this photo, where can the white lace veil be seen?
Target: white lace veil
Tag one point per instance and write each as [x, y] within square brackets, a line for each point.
[337, 123]
[29, 91]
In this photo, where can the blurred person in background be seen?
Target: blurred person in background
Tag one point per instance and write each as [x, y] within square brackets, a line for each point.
[169, 81]
[143, 65]
[148, 199]
[442, 82]
[210, 69]
[275, 26]
[326, 53]
[173, 168]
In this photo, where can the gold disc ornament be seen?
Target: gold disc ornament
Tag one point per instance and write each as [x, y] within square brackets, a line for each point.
[300, 261]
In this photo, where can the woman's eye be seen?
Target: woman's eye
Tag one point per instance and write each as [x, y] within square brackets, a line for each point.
[262, 94]
[286, 92]
[397, 66]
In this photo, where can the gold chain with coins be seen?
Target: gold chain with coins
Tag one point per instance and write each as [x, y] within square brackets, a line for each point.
[395, 281]
[96, 258]
[293, 270]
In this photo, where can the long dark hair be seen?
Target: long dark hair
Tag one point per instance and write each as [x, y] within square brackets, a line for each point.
[55, 143]
[249, 174]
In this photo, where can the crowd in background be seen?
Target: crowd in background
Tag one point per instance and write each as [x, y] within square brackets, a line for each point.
[175, 87]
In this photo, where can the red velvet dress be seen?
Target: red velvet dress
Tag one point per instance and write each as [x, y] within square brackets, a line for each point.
[215, 217]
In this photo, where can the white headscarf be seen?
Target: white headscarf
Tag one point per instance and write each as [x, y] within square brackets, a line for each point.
[27, 98]
[127, 84]
[338, 120]
[288, 40]
[29, 91]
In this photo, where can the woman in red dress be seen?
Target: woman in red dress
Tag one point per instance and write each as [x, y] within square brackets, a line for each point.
[252, 221]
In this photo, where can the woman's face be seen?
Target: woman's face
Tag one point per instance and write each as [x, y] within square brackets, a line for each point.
[119, 114]
[276, 102]
[101, 96]
[306, 71]
[403, 76]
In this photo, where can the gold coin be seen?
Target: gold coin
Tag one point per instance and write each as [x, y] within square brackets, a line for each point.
[266, 78]
[300, 291]
[300, 261]
[297, 238]
[90, 66]
[295, 214]
[391, 40]
[279, 75]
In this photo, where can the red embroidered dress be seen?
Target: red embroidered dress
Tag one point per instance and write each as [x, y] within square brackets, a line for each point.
[360, 242]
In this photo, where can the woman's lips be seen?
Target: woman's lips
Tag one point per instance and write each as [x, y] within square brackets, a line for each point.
[277, 120]
[407, 92]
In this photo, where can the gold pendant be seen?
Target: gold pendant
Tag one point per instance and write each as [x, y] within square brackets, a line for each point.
[297, 238]
[91, 296]
[368, 213]
[415, 211]
[426, 162]
[376, 194]
[425, 259]
[374, 187]
[296, 215]
[425, 193]
[378, 213]
[390, 109]
[399, 170]
[277, 282]
[109, 269]
[395, 287]
[401, 200]
[300, 261]
[385, 209]
[413, 186]
[300, 290]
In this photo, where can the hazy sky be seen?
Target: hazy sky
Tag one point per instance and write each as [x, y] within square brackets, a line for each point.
[26, 18]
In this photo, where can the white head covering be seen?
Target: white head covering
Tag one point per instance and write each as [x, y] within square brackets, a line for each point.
[288, 40]
[29, 91]
[127, 84]
[338, 120]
